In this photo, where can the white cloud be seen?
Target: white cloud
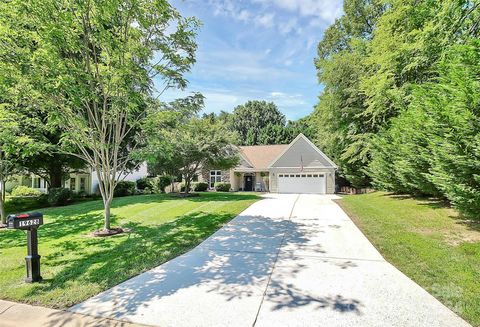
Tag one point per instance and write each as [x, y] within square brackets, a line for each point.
[244, 15]
[289, 26]
[266, 20]
[287, 100]
[327, 10]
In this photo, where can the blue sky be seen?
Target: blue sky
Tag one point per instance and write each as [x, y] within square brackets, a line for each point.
[257, 49]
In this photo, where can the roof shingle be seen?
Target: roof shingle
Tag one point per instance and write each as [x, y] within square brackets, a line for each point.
[261, 156]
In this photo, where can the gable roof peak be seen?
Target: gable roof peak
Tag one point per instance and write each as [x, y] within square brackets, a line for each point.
[302, 136]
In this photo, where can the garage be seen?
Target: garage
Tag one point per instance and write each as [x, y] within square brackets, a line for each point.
[302, 183]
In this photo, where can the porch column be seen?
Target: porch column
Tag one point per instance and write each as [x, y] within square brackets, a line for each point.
[233, 180]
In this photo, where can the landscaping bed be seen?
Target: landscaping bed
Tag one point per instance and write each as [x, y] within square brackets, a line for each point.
[428, 242]
[76, 265]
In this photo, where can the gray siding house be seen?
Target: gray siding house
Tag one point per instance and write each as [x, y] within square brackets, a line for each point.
[298, 167]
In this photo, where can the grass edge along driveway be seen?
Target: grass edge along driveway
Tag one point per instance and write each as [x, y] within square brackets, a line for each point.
[76, 266]
[428, 242]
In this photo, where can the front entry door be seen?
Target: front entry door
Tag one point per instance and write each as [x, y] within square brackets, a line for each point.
[248, 183]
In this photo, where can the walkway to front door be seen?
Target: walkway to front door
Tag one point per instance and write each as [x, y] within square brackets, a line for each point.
[288, 260]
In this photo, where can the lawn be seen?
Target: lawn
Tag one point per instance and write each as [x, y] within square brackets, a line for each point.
[428, 242]
[76, 266]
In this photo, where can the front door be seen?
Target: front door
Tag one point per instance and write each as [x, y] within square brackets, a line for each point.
[248, 183]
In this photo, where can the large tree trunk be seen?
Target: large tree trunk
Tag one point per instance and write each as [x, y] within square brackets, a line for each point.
[55, 174]
[187, 184]
[3, 214]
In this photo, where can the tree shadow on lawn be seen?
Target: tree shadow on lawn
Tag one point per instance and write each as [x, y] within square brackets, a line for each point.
[439, 203]
[79, 219]
[228, 266]
[109, 261]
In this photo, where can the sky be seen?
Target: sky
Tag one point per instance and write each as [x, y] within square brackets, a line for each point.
[257, 50]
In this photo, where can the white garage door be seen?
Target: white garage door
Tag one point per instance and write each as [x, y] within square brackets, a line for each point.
[302, 183]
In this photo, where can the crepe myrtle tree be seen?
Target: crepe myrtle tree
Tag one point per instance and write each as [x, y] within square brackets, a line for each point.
[200, 143]
[98, 61]
[176, 137]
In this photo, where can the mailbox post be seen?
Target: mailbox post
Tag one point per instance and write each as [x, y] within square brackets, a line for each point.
[29, 222]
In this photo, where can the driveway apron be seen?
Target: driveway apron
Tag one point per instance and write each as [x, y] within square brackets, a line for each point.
[287, 260]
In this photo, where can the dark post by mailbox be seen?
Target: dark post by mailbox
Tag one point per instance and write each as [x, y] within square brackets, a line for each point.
[29, 222]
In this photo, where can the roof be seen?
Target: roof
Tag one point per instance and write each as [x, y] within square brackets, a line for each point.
[261, 156]
[301, 152]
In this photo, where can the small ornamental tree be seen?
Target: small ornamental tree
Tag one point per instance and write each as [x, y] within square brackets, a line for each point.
[96, 63]
[181, 141]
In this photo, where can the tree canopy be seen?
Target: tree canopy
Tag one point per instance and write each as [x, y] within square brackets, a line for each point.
[181, 141]
[93, 65]
[388, 68]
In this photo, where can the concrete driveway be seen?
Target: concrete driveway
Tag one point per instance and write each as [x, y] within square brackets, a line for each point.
[288, 260]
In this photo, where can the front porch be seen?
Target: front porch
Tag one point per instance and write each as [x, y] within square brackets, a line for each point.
[250, 181]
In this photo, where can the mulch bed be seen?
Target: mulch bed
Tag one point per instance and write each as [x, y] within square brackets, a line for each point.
[109, 232]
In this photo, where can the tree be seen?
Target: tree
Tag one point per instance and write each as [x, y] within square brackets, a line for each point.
[14, 144]
[370, 60]
[341, 131]
[199, 143]
[52, 164]
[252, 118]
[97, 61]
[179, 140]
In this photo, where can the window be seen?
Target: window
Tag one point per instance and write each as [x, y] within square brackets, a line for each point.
[82, 184]
[309, 175]
[73, 181]
[281, 175]
[36, 182]
[297, 176]
[195, 178]
[315, 175]
[215, 177]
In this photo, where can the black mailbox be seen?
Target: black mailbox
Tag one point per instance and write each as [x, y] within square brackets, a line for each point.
[25, 221]
[29, 222]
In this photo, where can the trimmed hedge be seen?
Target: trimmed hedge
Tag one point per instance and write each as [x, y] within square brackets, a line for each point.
[124, 188]
[161, 183]
[143, 183]
[25, 191]
[200, 186]
[223, 187]
[59, 196]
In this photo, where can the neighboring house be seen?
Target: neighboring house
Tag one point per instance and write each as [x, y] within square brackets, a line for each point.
[79, 182]
[298, 167]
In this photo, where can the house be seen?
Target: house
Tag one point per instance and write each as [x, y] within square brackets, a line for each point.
[79, 182]
[298, 167]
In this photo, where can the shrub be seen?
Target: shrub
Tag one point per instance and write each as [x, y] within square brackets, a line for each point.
[124, 188]
[160, 182]
[20, 204]
[200, 187]
[148, 190]
[222, 187]
[143, 183]
[59, 196]
[181, 186]
[25, 191]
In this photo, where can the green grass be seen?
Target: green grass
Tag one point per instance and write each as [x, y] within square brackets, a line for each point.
[20, 204]
[76, 266]
[428, 242]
